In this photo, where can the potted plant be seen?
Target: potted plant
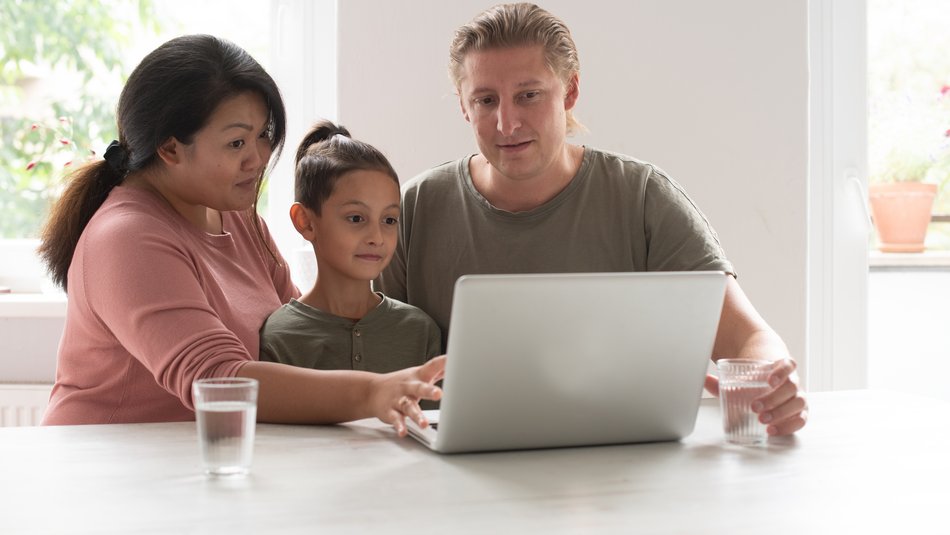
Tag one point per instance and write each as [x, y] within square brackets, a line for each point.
[902, 198]
[909, 164]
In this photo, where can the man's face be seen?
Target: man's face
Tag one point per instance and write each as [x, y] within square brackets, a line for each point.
[517, 107]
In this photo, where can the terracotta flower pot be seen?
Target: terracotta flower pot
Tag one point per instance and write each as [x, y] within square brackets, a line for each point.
[901, 214]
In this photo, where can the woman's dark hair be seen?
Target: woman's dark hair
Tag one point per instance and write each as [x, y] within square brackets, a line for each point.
[171, 93]
[326, 153]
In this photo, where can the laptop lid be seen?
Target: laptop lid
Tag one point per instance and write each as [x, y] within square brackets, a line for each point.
[553, 360]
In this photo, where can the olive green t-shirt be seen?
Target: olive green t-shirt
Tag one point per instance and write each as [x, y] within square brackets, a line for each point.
[390, 337]
[617, 214]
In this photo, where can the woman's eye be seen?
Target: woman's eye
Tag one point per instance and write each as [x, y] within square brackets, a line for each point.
[237, 144]
[391, 221]
[268, 133]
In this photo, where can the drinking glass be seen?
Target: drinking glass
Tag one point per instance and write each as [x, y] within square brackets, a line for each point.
[742, 381]
[226, 410]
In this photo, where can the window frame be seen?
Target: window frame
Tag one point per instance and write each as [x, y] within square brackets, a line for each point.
[839, 222]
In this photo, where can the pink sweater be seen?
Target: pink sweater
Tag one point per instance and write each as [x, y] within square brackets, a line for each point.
[153, 304]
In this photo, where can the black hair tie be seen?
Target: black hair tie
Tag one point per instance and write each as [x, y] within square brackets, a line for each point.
[116, 156]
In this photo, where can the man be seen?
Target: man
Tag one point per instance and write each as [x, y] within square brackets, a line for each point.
[529, 202]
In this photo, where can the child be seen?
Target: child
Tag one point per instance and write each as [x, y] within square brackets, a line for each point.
[347, 206]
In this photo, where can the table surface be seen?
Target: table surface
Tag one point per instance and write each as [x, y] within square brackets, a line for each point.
[868, 460]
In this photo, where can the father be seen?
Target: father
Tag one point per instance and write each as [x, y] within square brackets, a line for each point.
[530, 202]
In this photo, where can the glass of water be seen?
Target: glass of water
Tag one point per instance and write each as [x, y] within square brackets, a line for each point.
[742, 381]
[226, 410]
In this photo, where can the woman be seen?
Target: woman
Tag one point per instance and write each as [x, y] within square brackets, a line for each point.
[169, 271]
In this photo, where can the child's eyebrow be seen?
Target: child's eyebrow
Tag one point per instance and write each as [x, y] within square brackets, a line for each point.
[361, 203]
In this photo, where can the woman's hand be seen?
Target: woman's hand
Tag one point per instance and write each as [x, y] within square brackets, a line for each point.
[395, 396]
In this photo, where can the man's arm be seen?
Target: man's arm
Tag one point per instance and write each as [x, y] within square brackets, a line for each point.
[743, 333]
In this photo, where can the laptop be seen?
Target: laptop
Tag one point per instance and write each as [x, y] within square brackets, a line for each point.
[582, 359]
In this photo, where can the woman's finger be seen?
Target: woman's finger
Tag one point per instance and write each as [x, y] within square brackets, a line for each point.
[424, 390]
[395, 419]
[432, 370]
[412, 410]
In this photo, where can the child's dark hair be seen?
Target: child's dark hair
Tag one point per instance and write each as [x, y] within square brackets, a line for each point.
[171, 93]
[326, 153]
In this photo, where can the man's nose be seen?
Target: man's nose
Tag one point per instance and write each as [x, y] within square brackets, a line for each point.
[509, 119]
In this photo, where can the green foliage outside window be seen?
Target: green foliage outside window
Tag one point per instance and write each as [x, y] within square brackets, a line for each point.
[47, 42]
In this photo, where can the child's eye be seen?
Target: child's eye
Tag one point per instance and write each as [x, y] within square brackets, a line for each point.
[355, 218]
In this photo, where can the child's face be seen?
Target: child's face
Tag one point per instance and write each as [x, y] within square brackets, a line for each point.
[355, 233]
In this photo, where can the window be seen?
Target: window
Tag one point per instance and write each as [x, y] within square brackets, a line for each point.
[838, 223]
[909, 104]
[64, 64]
[909, 135]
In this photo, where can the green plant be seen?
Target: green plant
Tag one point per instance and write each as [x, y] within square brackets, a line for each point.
[904, 165]
[45, 46]
[909, 141]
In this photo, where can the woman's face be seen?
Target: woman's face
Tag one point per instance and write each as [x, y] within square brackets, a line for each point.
[221, 167]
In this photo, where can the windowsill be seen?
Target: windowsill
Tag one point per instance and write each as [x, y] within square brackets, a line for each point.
[927, 260]
[32, 305]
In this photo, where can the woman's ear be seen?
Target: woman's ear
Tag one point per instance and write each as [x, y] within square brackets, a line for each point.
[303, 220]
[170, 151]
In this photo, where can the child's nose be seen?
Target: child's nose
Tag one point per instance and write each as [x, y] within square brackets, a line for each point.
[375, 236]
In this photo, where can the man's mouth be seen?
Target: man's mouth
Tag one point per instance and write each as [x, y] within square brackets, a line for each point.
[513, 146]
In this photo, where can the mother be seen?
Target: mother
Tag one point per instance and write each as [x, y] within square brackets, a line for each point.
[170, 272]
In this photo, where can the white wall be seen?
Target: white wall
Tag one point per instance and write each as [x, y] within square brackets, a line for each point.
[715, 93]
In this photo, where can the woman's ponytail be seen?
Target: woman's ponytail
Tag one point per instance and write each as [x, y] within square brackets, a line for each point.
[86, 190]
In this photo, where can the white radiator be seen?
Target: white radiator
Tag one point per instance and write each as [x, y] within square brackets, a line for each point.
[23, 404]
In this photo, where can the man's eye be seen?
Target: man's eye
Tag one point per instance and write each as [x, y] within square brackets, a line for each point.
[485, 101]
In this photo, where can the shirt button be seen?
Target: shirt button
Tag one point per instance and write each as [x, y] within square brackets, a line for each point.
[358, 357]
[356, 332]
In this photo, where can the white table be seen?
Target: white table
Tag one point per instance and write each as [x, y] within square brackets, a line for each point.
[868, 461]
